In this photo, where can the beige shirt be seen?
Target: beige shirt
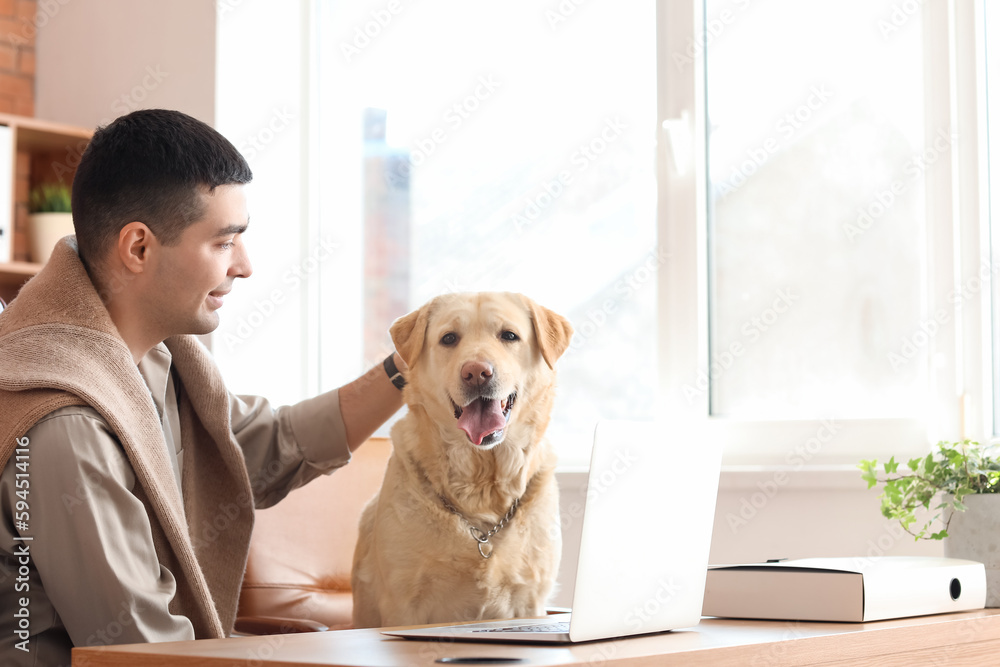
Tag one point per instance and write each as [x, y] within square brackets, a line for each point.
[92, 577]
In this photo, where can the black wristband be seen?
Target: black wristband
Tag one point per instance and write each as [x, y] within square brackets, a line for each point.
[394, 375]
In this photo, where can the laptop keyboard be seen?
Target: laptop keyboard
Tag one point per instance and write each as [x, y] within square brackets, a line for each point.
[543, 627]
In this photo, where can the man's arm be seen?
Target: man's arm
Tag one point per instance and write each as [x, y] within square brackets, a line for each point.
[288, 447]
[366, 403]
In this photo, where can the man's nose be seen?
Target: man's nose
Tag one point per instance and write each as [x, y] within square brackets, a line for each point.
[241, 267]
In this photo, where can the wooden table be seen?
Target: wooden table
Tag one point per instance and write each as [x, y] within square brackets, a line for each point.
[955, 640]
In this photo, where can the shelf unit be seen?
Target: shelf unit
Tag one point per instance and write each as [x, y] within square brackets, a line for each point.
[44, 152]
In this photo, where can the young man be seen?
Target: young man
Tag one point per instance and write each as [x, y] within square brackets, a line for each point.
[129, 473]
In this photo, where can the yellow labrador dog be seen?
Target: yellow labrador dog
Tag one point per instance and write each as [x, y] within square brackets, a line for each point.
[466, 525]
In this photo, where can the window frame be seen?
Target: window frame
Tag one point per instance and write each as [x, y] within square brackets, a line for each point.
[958, 245]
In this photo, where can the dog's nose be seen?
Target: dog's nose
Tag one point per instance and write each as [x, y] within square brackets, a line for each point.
[476, 373]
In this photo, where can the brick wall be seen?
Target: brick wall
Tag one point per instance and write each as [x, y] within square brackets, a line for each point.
[18, 26]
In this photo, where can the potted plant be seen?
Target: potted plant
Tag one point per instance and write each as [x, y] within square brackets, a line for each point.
[50, 218]
[956, 488]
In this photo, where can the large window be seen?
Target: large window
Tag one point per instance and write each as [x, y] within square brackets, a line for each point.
[501, 147]
[828, 289]
[772, 213]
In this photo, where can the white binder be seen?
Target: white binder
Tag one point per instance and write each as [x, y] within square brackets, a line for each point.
[845, 589]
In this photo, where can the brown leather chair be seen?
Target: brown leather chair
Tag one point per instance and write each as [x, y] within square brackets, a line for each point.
[298, 576]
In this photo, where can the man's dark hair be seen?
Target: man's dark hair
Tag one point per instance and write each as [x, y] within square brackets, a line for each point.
[148, 166]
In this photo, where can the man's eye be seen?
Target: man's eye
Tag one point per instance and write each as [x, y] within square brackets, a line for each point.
[509, 336]
[449, 339]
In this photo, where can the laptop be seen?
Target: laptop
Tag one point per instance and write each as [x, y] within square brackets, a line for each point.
[644, 540]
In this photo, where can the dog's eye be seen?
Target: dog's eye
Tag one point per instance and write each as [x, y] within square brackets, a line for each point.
[449, 339]
[509, 336]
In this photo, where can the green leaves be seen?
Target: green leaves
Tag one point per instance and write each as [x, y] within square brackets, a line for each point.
[868, 472]
[891, 466]
[49, 198]
[954, 471]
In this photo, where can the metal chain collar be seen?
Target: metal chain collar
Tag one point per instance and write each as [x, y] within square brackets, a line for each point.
[478, 535]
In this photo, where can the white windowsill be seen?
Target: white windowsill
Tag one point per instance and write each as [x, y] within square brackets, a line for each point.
[745, 477]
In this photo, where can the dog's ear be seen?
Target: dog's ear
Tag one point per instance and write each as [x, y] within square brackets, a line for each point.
[552, 330]
[408, 333]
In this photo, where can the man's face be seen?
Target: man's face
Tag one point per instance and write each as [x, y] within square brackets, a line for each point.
[189, 280]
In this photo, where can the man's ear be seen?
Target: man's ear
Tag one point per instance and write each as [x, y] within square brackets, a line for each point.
[408, 333]
[552, 330]
[132, 250]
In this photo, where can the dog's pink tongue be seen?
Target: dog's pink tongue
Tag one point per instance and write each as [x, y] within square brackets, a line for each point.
[480, 418]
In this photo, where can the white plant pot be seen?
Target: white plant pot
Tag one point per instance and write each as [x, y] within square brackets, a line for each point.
[975, 535]
[45, 229]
